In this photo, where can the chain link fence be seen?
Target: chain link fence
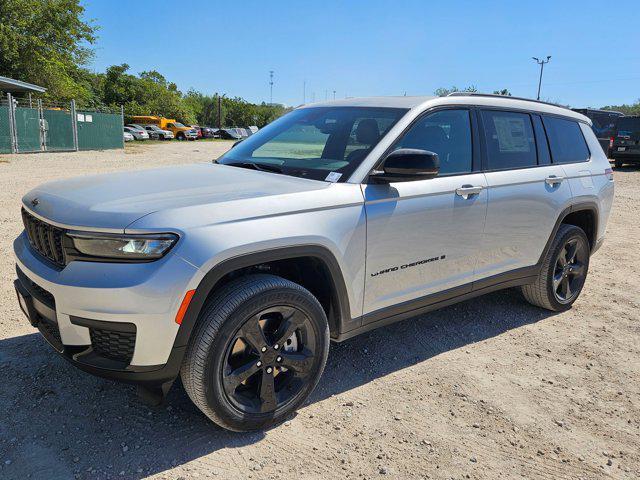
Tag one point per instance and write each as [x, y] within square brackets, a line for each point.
[28, 126]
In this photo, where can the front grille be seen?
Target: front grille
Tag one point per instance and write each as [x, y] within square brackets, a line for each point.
[44, 238]
[113, 344]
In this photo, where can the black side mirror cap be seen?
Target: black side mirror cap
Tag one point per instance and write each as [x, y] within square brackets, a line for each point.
[407, 164]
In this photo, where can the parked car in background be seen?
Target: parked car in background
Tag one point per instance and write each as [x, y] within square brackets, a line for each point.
[128, 137]
[207, 132]
[152, 135]
[196, 128]
[180, 131]
[603, 125]
[253, 129]
[137, 133]
[229, 134]
[625, 143]
[161, 134]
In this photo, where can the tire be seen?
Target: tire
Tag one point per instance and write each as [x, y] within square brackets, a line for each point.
[546, 293]
[224, 342]
[618, 163]
[180, 136]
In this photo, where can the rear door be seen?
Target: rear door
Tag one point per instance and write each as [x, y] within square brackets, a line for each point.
[526, 192]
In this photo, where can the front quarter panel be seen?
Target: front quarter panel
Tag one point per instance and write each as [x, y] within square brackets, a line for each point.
[332, 218]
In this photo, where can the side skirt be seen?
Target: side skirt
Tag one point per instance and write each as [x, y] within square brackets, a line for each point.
[413, 308]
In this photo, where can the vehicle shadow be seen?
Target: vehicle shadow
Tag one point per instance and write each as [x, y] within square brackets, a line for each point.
[57, 422]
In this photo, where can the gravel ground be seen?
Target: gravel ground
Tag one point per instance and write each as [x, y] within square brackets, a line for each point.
[490, 388]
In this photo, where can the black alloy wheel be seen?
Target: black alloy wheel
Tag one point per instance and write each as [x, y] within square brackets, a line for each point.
[269, 360]
[570, 270]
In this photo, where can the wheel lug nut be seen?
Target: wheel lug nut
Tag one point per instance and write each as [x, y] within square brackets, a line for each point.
[276, 346]
[263, 349]
[279, 359]
[269, 369]
[259, 364]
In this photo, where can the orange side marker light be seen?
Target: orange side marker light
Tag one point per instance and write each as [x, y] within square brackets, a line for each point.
[184, 305]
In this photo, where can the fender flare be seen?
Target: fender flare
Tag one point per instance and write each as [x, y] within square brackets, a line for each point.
[207, 284]
[575, 207]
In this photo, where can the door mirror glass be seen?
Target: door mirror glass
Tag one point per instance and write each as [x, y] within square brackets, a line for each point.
[408, 164]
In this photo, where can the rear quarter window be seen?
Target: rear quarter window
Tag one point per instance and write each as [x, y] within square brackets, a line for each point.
[566, 141]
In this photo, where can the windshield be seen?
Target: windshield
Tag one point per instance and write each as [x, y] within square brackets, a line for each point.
[323, 143]
[179, 125]
[628, 125]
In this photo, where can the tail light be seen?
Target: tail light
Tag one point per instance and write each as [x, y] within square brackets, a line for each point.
[611, 142]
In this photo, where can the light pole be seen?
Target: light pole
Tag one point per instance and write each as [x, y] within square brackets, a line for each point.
[271, 87]
[541, 63]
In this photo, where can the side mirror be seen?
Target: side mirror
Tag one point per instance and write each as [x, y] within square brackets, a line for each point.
[407, 164]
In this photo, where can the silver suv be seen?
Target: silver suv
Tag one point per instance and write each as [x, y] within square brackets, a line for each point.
[333, 220]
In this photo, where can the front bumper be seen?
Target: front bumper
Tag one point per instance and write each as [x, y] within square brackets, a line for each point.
[112, 320]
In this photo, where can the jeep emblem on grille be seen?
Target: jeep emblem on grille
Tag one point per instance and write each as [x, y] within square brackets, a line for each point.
[35, 202]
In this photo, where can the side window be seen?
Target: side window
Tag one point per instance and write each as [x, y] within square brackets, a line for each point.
[566, 140]
[447, 133]
[510, 140]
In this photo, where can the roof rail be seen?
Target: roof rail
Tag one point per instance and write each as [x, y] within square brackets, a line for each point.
[495, 95]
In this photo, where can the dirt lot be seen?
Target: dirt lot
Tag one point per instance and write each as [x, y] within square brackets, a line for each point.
[491, 388]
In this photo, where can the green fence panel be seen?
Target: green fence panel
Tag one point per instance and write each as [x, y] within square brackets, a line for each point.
[99, 131]
[59, 133]
[5, 130]
[28, 129]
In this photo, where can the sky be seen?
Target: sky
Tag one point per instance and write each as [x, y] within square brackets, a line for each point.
[377, 47]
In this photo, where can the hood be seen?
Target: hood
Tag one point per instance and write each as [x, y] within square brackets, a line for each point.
[114, 200]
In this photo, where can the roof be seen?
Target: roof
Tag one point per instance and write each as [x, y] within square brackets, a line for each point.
[16, 86]
[389, 102]
[460, 98]
[597, 110]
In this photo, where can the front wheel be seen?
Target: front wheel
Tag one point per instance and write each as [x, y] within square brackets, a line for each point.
[180, 136]
[257, 352]
[618, 163]
[563, 272]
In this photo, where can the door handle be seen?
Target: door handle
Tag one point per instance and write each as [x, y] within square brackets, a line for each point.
[467, 190]
[553, 179]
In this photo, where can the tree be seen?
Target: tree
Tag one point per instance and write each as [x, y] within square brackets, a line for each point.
[443, 92]
[46, 43]
[633, 109]
[504, 92]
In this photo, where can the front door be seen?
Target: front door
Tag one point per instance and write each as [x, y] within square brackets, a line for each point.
[422, 236]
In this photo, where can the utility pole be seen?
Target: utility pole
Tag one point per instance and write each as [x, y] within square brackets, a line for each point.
[220, 110]
[271, 86]
[334, 94]
[541, 63]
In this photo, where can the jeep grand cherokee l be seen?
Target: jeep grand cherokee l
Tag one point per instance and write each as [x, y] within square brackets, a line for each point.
[333, 220]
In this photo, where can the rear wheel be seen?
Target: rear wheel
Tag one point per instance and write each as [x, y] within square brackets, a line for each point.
[618, 163]
[563, 272]
[258, 351]
[180, 136]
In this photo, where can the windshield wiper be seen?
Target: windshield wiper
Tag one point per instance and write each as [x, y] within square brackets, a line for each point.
[263, 167]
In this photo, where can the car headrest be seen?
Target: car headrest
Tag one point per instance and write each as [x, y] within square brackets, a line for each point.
[367, 131]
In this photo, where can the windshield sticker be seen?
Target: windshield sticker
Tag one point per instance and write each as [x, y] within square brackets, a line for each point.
[333, 177]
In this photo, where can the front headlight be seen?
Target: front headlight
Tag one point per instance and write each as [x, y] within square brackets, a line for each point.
[122, 247]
